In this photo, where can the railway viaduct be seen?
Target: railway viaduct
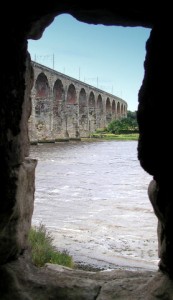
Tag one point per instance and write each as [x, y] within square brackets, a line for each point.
[66, 108]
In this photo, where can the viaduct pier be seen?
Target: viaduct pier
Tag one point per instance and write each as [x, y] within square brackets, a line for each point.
[66, 108]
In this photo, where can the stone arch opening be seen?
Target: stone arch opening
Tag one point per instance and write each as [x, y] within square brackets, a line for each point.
[99, 113]
[118, 109]
[122, 110]
[100, 106]
[72, 113]
[92, 112]
[92, 103]
[58, 91]
[108, 111]
[58, 96]
[71, 94]
[113, 109]
[100, 103]
[58, 109]
[108, 105]
[41, 107]
[82, 101]
[41, 87]
[125, 112]
[83, 114]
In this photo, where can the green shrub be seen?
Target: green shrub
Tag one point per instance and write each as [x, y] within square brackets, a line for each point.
[125, 125]
[43, 251]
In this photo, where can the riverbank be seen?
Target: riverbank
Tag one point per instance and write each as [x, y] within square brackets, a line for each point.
[98, 136]
[127, 254]
[111, 137]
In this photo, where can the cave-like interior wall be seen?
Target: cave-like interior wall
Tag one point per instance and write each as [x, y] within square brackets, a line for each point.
[154, 113]
[154, 149]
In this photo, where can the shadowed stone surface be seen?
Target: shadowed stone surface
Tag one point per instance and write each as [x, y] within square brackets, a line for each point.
[20, 280]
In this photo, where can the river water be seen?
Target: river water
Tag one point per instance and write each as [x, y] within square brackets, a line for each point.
[92, 197]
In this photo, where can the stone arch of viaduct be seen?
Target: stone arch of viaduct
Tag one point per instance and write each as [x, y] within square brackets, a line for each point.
[66, 108]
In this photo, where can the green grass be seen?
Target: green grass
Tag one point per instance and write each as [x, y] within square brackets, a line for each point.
[111, 136]
[43, 251]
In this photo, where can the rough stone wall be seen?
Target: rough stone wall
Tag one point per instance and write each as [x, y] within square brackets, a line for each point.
[17, 171]
[154, 151]
[62, 108]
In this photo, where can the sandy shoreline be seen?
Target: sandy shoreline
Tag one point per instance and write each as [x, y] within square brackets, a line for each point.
[98, 256]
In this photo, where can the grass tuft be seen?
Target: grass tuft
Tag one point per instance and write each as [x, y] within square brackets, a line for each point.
[112, 136]
[43, 251]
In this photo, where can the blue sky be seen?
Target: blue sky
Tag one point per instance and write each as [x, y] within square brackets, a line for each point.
[108, 57]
